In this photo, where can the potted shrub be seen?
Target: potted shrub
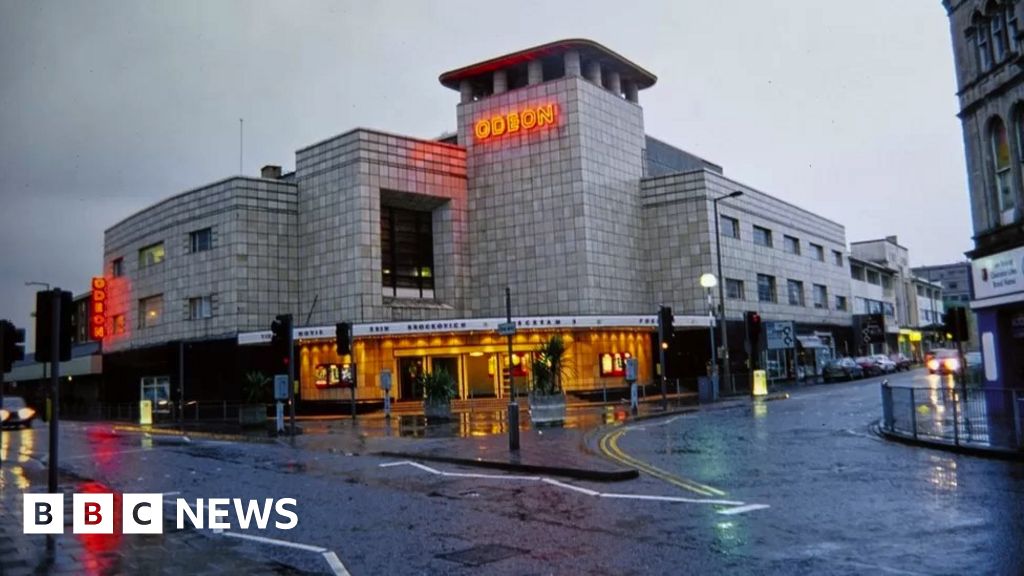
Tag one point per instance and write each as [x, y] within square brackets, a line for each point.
[438, 391]
[255, 390]
[547, 399]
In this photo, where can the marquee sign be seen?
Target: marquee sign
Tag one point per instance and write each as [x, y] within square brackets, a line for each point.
[518, 121]
[98, 309]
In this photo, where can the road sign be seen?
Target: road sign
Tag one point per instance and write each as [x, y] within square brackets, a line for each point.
[507, 328]
[871, 328]
[280, 387]
[631, 369]
[780, 335]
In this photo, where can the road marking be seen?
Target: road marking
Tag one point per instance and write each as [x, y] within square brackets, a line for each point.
[742, 509]
[276, 542]
[737, 506]
[609, 445]
[335, 564]
[112, 453]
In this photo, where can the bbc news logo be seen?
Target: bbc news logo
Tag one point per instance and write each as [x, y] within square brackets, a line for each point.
[144, 513]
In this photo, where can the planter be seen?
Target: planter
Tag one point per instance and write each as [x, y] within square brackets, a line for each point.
[252, 415]
[547, 408]
[437, 410]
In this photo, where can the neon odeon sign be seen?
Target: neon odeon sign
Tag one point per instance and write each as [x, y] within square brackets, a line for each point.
[519, 121]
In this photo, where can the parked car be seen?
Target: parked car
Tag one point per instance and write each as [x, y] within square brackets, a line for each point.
[901, 361]
[842, 369]
[942, 361]
[870, 366]
[15, 413]
[888, 366]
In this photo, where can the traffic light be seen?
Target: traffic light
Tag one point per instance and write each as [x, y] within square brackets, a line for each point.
[665, 324]
[753, 320]
[954, 323]
[281, 329]
[343, 338]
[13, 344]
[44, 325]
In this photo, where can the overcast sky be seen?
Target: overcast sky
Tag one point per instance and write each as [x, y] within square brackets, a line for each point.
[844, 108]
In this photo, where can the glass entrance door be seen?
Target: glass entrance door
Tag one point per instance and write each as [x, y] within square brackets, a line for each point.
[409, 372]
[449, 364]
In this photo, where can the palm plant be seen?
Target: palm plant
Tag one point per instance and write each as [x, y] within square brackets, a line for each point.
[255, 387]
[438, 386]
[549, 366]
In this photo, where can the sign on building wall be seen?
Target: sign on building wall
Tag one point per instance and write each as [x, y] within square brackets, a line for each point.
[98, 309]
[869, 328]
[999, 274]
[779, 335]
[515, 122]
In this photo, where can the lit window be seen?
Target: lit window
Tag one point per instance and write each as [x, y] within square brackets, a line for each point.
[407, 253]
[119, 324]
[734, 289]
[151, 310]
[791, 244]
[1000, 148]
[795, 289]
[820, 296]
[762, 236]
[117, 267]
[200, 307]
[730, 227]
[201, 240]
[766, 288]
[151, 255]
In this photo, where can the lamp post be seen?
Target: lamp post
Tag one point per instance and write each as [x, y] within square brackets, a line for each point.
[721, 290]
[708, 281]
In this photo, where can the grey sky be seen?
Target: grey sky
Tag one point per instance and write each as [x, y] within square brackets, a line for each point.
[844, 108]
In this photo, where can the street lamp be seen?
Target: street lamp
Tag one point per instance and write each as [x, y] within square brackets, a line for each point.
[721, 289]
[708, 281]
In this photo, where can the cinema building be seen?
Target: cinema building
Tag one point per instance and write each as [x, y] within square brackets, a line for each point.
[550, 186]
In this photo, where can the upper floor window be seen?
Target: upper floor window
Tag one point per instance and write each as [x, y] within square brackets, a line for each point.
[886, 282]
[151, 310]
[730, 227]
[795, 288]
[818, 252]
[152, 254]
[201, 240]
[762, 236]
[920, 291]
[857, 273]
[734, 289]
[837, 256]
[841, 303]
[117, 267]
[1002, 185]
[407, 253]
[200, 307]
[820, 296]
[994, 36]
[874, 278]
[791, 244]
[766, 288]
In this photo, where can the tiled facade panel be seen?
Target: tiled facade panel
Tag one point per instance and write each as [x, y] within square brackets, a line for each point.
[341, 182]
[679, 230]
[538, 223]
[249, 271]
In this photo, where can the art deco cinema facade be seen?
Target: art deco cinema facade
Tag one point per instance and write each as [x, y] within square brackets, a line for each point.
[549, 187]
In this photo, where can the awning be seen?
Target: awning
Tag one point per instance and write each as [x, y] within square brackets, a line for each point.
[810, 342]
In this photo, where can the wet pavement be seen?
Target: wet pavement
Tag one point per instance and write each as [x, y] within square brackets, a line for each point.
[797, 486]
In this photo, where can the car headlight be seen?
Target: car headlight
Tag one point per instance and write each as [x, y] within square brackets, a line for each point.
[4, 415]
[952, 364]
[933, 364]
[26, 413]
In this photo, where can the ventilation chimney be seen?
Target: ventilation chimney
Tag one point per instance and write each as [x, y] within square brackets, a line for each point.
[270, 172]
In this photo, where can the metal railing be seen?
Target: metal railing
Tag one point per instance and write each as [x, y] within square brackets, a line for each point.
[953, 414]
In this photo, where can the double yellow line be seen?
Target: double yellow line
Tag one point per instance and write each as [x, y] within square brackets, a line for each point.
[609, 445]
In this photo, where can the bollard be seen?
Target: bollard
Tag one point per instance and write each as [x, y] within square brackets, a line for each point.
[513, 426]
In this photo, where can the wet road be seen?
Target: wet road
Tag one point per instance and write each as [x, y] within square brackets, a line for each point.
[797, 486]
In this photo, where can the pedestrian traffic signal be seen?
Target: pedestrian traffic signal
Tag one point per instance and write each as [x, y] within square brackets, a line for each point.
[667, 330]
[13, 348]
[44, 325]
[954, 323]
[343, 338]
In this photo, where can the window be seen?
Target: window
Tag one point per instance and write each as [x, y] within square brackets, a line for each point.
[734, 289]
[117, 267]
[201, 240]
[998, 38]
[920, 291]
[953, 285]
[1011, 29]
[874, 278]
[151, 310]
[407, 253]
[1002, 185]
[886, 282]
[200, 307]
[857, 273]
[820, 296]
[119, 324]
[791, 245]
[150, 255]
[730, 227]
[837, 257]
[818, 252]
[766, 288]
[889, 309]
[795, 289]
[983, 49]
[762, 236]
[157, 389]
[841, 303]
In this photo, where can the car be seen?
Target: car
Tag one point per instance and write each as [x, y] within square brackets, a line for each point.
[901, 361]
[870, 366]
[15, 413]
[887, 365]
[942, 361]
[842, 369]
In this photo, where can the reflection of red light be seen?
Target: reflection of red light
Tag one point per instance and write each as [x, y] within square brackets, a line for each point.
[97, 558]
